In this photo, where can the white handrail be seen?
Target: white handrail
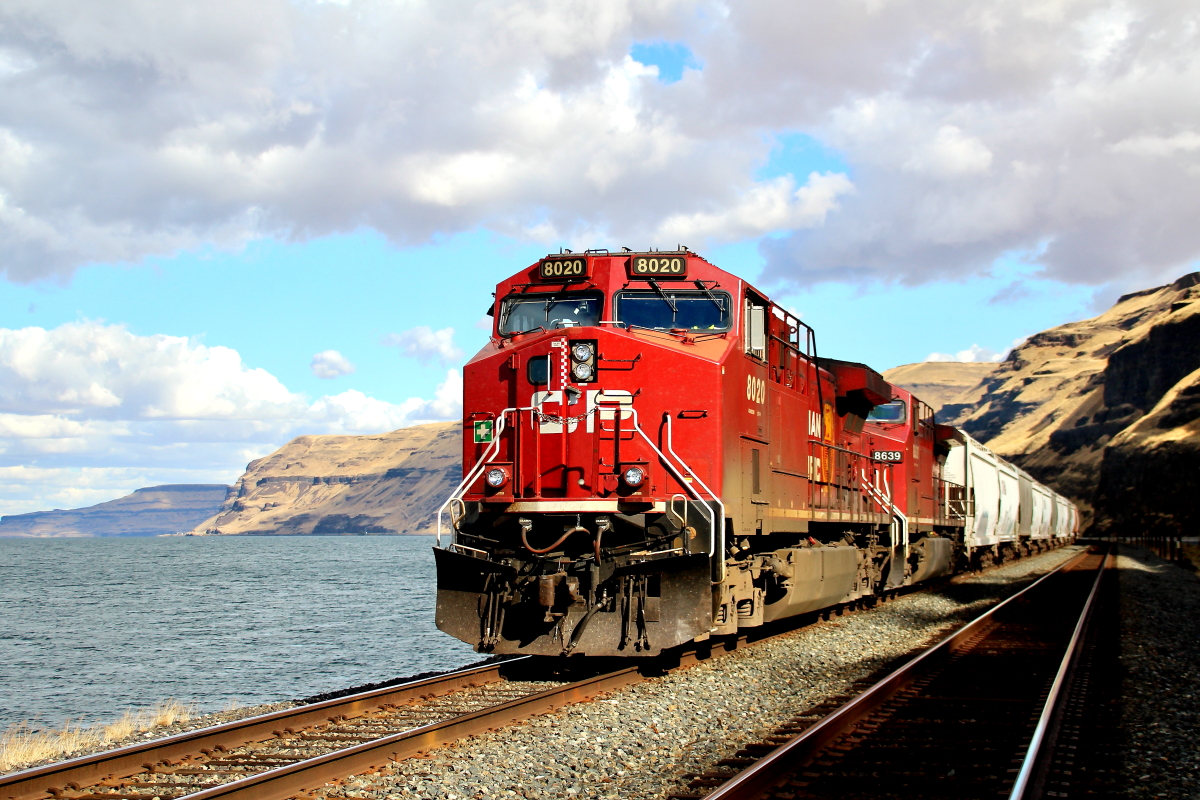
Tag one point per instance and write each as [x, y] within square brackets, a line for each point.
[712, 517]
[886, 502]
[501, 423]
[470, 477]
[718, 548]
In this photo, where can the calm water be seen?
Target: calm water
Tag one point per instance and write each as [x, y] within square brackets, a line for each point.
[91, 627]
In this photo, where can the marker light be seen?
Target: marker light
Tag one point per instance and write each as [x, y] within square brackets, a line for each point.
[582, 352]
[496, 477]
[633, 476]
[582, 372]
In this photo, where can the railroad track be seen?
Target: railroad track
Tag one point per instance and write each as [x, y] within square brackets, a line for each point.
[285, 753]
[986, 712]
[280, 754]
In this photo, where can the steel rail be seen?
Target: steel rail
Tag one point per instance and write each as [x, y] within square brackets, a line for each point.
[59, 779]
[284, 782]
[758, 778]
[89, 770]
[1041, 743]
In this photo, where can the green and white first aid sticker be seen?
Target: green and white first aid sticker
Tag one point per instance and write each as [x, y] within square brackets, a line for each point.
[483, 431]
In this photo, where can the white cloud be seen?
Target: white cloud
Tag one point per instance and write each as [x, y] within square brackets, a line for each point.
[971, 129]
[425, 344]
[771, 206]
[331, 364]
[92, 399]
[950, 153]
[972, 353]
[1159, 146]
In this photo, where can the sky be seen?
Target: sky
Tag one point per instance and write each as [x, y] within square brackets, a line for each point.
[223, 225]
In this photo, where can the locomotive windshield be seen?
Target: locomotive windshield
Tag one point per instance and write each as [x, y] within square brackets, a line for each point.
[524, 313]
[670, 309]
[888, 412]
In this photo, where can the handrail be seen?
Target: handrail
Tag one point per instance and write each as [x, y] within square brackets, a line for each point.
[719, 549]
[712, 516]
[477, 470]
[886, 502]
[501, 423]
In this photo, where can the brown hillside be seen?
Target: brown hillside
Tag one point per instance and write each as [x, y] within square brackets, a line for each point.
[1058, 400]
[1150, 474]
[947, 386]
[389, 483]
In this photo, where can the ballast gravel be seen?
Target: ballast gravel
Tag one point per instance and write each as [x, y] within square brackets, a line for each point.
[645, 741]
[1160, 656]
[162, 732]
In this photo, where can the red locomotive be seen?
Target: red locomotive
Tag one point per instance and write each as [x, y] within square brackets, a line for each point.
[655, 454]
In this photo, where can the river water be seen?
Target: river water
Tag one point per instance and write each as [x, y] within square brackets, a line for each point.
[92, 627]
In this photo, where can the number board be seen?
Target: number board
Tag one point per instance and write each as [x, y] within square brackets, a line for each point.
[555, 268]
[659, 267]
[888, 455]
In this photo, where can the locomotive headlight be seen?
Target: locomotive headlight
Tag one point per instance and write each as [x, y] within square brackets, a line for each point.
[633, 476]
[582, 352]
[582, 372]
[496, 477]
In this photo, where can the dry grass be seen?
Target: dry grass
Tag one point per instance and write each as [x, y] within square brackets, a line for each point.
[23, 745]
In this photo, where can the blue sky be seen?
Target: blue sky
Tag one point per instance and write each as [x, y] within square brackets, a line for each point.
[199, 199]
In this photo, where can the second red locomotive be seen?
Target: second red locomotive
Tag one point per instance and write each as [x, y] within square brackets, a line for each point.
[655, 454]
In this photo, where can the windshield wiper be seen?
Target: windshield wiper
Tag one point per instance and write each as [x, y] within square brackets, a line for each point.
[716, 300]
[654, 285]
[551, 300]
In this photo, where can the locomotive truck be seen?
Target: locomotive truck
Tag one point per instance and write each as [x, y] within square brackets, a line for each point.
[654, 453]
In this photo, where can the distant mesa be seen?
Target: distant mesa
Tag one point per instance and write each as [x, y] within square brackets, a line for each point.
[153, 511]
[947, 386]
[388, 483]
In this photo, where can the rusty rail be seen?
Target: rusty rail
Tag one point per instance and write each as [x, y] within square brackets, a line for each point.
[52, 779]
[776, 767]
[284, 782]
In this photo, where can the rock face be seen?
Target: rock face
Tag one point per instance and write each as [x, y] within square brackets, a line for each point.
[151, 511]
[1150, 474]
[390, 483]
[1104, 410]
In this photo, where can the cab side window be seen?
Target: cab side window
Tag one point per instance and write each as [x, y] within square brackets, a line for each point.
[755, 323]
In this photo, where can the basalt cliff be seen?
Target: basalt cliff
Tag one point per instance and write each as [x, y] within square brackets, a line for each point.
[1105, 410]
[388, 483]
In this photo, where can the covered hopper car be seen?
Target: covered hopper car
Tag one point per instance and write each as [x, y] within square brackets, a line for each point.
[654, 454]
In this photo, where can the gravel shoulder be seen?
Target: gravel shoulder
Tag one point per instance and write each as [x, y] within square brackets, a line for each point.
[1160, 657]
[641, 742]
